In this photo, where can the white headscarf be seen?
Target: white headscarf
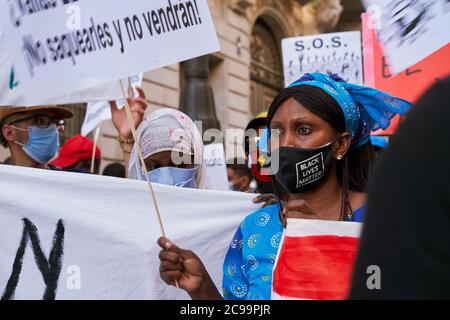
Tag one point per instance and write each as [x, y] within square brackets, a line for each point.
[168, 130]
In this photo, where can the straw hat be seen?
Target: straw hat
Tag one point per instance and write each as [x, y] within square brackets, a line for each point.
[60, 112]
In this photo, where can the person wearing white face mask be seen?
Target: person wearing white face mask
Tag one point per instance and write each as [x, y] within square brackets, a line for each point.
[172, 148]
[32, 134]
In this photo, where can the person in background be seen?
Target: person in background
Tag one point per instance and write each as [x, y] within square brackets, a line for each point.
[380, 144]
[76, 156]
[172, 148]
[264, 182]
[255, 160]
[114, 170]
[239, 176]
[324, 123]
[32, 134]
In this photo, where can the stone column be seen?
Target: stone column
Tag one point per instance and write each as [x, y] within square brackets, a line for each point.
[197, 98]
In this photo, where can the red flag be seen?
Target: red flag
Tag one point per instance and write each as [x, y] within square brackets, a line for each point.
[315, 260]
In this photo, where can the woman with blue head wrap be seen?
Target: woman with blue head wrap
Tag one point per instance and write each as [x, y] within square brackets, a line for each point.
[320, 155]
[322, 116]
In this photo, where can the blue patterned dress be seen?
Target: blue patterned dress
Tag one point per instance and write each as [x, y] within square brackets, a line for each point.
[248, 266]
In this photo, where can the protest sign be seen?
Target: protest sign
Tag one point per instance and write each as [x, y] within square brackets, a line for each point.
[410, 84]
[96, 112]
[93, 237]
[215, 166]
[99, 111]
[338, 53]
[134, 81]
[12, 94]
[315, 260]
[409, 30]
[101, 41]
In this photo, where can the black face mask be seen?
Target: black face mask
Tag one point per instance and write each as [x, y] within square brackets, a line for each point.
[303, 169]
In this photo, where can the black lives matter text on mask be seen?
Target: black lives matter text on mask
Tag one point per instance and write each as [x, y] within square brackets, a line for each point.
[310, 170]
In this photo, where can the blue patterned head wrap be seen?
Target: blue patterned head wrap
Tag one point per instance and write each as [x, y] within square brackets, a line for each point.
[365, 109]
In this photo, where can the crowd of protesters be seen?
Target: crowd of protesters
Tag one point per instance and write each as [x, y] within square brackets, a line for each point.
[317, 115]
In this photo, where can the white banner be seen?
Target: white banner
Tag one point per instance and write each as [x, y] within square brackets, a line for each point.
[95, 236]
[409, 30]
[61, 48]
[339, 53]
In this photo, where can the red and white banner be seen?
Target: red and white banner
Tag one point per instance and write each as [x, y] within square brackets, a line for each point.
[315, 260]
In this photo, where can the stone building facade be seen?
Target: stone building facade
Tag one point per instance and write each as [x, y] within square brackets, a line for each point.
[247, 72]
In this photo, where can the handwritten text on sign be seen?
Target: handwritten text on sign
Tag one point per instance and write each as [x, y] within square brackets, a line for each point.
[62, 52]
[409, 31]
[338, 53]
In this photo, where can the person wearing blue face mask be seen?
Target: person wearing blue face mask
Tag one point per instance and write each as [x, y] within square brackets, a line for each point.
[172, 148]
[32, 134]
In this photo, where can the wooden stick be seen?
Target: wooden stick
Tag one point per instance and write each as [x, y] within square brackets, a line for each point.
[144, 166]
[141, 158]
[97, 133]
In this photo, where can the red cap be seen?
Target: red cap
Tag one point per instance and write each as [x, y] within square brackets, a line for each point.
[74, 150]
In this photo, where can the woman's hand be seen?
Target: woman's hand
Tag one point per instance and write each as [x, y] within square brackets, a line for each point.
[138, 106]
[185, 267]
[268, 199]
[297, 209]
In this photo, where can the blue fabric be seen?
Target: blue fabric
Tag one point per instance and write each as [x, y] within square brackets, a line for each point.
[172, 176]
[365, 109]
[358, 215]
[43, 143]
[248, 265]
[380, 141]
